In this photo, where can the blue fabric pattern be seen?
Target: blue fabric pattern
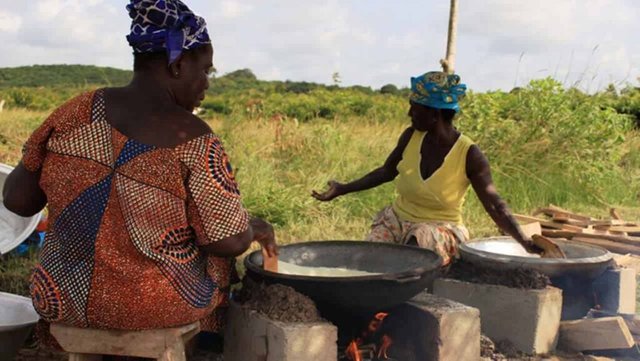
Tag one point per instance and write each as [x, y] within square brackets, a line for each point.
[438, 90]
[168, 25]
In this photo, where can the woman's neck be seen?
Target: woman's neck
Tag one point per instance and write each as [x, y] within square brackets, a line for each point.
[151, 87]
[443, 133]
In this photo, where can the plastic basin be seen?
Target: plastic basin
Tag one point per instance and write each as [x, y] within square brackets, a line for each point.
[14, 229]
[17, 318]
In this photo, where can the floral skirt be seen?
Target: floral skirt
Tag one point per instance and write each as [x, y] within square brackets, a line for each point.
[441, 237]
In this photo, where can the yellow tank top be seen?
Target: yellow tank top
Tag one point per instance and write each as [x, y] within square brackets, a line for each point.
[439, 197]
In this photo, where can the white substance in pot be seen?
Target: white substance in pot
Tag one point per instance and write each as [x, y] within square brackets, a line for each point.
[293, 269]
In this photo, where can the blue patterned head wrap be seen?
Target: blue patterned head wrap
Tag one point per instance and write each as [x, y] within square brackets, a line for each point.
[165, 25]
[438, 90]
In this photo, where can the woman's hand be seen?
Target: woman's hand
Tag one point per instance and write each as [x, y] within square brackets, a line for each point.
[263, 234]
[335, 190]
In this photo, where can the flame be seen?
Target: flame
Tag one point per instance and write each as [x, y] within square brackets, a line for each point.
[374, 325]
[384, 346]
[352, 351]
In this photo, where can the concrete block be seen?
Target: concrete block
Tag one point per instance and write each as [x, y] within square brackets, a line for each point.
[456, 328]
[615, 290]
[529, 319]
[251, 336]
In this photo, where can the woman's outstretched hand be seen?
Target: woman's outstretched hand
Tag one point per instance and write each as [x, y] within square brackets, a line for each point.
[263, 234]
[331, 193]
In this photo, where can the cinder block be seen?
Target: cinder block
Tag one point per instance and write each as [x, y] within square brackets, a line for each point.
[457, 329]
[528, 318]
[251, 336]
[615, 290]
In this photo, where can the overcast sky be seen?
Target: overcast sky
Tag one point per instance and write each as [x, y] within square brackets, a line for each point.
[501, 43]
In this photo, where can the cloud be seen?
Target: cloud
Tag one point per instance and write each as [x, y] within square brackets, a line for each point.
[371, 42]
[234, 9]
[9, 22]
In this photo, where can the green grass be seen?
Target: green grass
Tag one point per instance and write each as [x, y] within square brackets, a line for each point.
[545, 146]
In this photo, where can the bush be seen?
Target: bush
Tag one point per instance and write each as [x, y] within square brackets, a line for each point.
[389, 89]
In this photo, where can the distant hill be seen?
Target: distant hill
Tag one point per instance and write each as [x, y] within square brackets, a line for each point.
[65, 75]
[62, 76]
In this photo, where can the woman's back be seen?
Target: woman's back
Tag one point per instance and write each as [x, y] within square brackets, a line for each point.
[127, 216]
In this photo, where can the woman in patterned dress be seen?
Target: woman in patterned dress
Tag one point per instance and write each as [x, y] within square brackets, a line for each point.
[434, 164]
[145, 216]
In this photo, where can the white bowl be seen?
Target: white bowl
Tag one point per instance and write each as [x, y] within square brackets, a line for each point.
[14, 229]
[17, 318]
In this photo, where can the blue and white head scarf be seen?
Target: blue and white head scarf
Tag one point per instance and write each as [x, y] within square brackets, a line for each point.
[169, 25]
[438, 90]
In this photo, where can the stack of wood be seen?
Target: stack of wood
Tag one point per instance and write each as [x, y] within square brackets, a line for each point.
[613, 234]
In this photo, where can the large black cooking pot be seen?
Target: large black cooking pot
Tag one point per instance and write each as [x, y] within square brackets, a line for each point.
[405, 272]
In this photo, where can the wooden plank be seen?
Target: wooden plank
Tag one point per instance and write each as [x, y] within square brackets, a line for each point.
[562, 218]
[545, 223]
[528, 219]
[627, 229]
[550, 248]
[530, 229]
[145, 343]
[555, 209]
[609, 245]
[608, 222]
[634, 241]
[614, 214]
[604, 333]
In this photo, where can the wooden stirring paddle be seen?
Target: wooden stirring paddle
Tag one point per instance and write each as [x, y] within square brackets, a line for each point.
[549, 247]
[269, 263]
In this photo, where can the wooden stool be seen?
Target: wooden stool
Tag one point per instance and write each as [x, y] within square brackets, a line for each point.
[88, 344]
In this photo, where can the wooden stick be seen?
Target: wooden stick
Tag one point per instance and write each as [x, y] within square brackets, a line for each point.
[269, 263]
[550, 248]
[614, 214]
[610, 246]
[548, 224]
[449, 62]
[635, 241]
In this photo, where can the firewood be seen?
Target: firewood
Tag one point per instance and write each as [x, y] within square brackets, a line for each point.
[545, 223]
[608, 222]
[610, 246]
[552, 209]
[635, 241]
[614, 213]
[604, 333]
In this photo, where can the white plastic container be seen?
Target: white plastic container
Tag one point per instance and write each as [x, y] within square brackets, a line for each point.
[14, 229]
[17, 318]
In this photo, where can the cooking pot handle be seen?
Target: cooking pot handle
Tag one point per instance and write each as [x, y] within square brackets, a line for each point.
[403, 278]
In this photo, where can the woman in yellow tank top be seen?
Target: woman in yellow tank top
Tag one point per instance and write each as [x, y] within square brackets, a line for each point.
[434, 165]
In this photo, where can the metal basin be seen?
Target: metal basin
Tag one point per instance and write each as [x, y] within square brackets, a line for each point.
[505, 253]
[17, 317]
[13, 228]
[402, 271]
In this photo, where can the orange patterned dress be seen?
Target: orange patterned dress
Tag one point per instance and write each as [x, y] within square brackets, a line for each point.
[126, 220]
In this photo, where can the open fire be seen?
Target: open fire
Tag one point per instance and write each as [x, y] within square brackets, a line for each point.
[370, 346]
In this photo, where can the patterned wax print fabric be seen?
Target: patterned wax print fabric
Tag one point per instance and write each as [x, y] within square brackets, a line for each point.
[441, 237]
[126, 220]
[168, 25]
[438, 90]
